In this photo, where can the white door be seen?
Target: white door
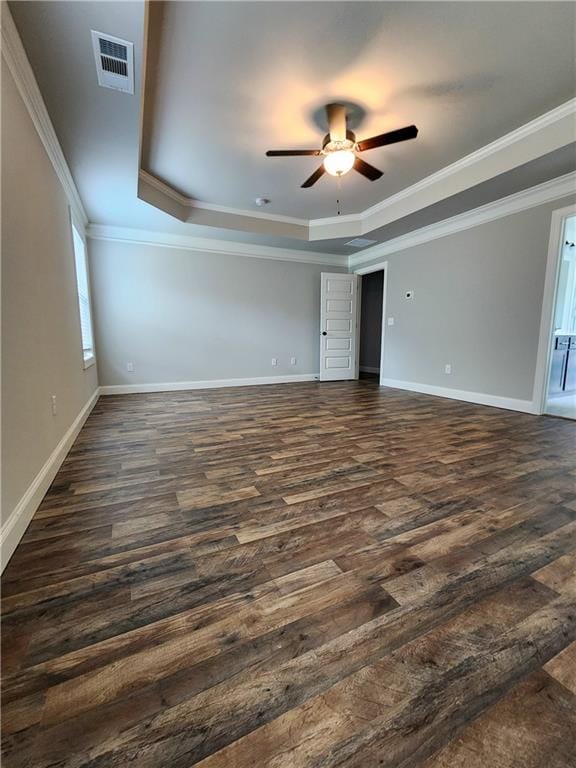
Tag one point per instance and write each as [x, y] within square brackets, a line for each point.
[338, 323]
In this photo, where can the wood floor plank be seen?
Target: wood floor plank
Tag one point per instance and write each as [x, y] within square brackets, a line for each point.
[563, 667]
[533, 726]
[416, 728]
[231, 709]
[297, 576]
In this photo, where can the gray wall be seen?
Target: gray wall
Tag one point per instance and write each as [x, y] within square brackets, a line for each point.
[371, 319]
[477, 305]
[184, 316]
[41, 344]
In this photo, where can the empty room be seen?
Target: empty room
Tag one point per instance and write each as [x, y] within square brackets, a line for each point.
[288, 384]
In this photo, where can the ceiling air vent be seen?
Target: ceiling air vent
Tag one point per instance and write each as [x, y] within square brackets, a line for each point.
[360, 242]
[114, 62]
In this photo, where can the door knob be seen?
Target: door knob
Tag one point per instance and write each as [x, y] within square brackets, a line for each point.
[324, 333]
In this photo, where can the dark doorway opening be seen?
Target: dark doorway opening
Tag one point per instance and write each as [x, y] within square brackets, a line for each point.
[371, 324]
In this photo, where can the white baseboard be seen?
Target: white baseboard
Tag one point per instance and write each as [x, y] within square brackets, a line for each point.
[14, 528]
[369, 369]
[480, 398]
[174, 386]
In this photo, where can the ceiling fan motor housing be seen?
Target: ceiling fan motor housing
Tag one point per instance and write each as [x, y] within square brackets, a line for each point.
[334, 146]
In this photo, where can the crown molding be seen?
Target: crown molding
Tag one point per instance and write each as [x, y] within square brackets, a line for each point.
[180, 199]
[164, 188]
[547, 192]
[550, 131]
[548, 119]
[17, 62]
[546, 133]
[208, 245]
[538, 137]
[552, 190]
[158, 193]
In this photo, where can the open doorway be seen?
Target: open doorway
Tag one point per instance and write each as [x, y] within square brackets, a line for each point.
[371, 316]
[561, 391]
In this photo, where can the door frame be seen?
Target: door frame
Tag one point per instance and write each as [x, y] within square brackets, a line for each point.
[544, 357]
[381, 265]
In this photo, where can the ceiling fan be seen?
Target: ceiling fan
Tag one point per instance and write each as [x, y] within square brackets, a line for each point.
[340, 148]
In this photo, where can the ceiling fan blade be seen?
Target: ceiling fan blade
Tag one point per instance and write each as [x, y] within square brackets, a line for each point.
[314, 178]
[367, 170]
[292, 152]
[392, 137]
[336, 114]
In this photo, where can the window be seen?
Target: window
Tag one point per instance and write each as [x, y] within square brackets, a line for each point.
[83, 297]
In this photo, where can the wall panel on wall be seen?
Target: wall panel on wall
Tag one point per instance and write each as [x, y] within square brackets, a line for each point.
[183, 316]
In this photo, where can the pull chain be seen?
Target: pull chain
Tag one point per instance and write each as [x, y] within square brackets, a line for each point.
[338, 198]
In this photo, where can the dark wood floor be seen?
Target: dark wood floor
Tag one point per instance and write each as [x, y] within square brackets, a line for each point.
[298, 575]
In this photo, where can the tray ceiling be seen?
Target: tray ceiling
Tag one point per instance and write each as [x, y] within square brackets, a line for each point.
[234, 79]
[231, 80]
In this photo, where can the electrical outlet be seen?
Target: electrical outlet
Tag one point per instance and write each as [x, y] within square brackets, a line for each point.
[448, 368]
[130, 367]
[54, 406]
[274, 361]
[292, 361]
[390, 321]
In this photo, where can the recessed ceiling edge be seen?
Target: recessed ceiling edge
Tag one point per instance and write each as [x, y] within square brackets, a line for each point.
[547, 133]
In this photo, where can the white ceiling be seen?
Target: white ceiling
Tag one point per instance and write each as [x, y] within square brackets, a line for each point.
[235, 79]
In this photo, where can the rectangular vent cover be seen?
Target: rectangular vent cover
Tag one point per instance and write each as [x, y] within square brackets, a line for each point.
[114, 62]
[361, 242]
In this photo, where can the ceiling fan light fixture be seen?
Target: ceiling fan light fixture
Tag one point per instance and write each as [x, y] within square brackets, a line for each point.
[339, 162]
[340, 150]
